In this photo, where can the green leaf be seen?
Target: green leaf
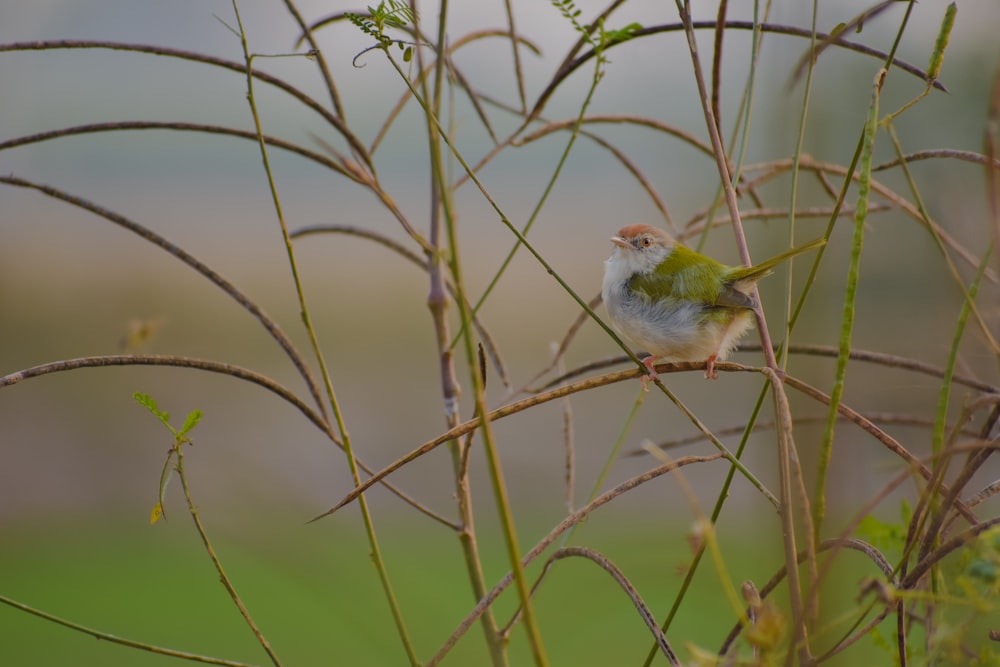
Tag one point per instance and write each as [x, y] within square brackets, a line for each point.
[165, 475]
[622, 34]
[147, 402]
[408, 54]
[192, 420]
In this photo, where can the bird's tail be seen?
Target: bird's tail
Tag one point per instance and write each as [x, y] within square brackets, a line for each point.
[754, 273]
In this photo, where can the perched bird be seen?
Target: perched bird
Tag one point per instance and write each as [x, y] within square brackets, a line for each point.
[677, 304]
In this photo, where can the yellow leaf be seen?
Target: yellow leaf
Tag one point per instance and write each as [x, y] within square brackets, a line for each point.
[156, 514]
[139, 333]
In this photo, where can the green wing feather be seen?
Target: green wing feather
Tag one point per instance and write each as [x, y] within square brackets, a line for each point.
[690, 276]
[684, 276]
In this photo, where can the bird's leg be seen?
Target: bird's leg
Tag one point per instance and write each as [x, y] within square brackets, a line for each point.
[710, 372]
[649, 362]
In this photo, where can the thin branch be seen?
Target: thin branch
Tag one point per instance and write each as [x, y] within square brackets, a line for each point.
[338, 416]
[564, 525]
[115, 639]
[888, 441]
[214, 557]
[336, 122]
[212, 367]
[180, 127]
[514, 408]
[307, 35]
[822, 42]
[793, 31]
[774, 168]
[605, 564]
[941, 153]
[847, 543]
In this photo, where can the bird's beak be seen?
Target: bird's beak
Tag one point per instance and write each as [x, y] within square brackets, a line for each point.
[620, 242]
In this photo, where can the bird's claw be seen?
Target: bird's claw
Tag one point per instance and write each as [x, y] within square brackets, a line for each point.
[649, 363]
[710, 372]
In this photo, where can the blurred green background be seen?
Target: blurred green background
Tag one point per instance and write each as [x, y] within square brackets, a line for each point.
[81, 461]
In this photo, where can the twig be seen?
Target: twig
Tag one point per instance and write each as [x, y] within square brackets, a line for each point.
[212, 367]
[115, 639]
[210, 550]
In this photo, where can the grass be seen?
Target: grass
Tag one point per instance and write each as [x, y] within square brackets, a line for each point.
[313, 591]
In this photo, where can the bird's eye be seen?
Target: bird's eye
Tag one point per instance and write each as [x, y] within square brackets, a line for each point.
[646, 241]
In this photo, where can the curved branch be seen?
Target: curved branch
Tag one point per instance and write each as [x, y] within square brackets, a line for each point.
[776, 167]
[620, 578]
[212, 367]
[113, 126]
[473, 424]
[179, 362]
[849, 543]
[324, 70]
[336, 122]
[641, 121]
[887, 440]
[115, 639]
[888, 360]
[933, 153]
[792, 31]
[321, 23]
[474, 97]
[269, 325]
[524, 404]
[759, 426]
[564, 525]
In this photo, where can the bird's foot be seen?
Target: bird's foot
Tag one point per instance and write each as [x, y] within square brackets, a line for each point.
[710, 372]
[649, 363]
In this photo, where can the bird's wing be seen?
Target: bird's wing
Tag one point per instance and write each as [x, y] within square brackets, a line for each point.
[733, 298]
[686, 275]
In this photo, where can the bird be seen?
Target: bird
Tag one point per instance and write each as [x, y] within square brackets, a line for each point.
[677, 304]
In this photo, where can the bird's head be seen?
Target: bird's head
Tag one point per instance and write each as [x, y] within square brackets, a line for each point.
[641, 248]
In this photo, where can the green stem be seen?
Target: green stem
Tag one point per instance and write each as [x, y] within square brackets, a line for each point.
[442, 203]
[376, 551]
[223, 577]
[492, 456]
[794, 187]
[850, 296]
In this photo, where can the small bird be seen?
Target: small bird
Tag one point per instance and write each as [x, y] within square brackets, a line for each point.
[677, 304]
